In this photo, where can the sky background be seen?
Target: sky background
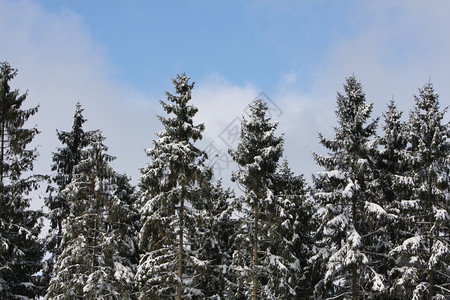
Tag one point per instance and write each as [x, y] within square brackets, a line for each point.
[117, 59]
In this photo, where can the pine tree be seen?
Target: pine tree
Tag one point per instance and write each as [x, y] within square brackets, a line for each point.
[291, 230]
[21, 250]
[393, 144]
[264, 262]
[97, 256]
[64, 161]
[351, 229]
[392, 164]
[392, 169]
[212, 235]
[423, 269]
[172, 263]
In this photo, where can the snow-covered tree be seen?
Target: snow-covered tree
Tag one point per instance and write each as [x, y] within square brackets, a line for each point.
[64, 161]
[97, 259]
[212, 233]
[423, 269]
[264, 263]
[21, 250]
[392, 168]
[291, 230]
[175, 211]
[350, 237]
[392, 163]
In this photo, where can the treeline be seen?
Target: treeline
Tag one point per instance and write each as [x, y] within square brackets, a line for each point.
[373, 225]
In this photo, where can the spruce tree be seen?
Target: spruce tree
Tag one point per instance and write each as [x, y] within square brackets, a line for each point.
[21, 250]
[423, 269]
[173, 262]
[292, 231]
[350, 237]
[211, 234]
[392, 163]
[264, 263]
[392, 169]
[96, 259]
[64, 161]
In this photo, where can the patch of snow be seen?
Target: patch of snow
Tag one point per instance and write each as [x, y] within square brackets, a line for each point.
[374, 209]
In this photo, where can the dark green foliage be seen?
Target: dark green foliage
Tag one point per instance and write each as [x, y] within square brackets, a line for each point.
[392, 168]
[98, 249]
[422, 268]
[212, 234]
[21, 250]
[265, 262]
[351, 220]
[292, 231]
[181, 210]
[64, 161]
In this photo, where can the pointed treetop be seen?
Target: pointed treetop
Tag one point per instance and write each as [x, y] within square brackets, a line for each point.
[428, 99]
[6, 74]
[182, 86]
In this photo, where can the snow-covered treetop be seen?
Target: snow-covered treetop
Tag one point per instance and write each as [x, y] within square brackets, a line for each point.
[174, 155]
[394, 129]
[428, 132]
[353, 114]
[259, 150]
[353, 133]
[180, 126]
[65, 158]
[14, 135]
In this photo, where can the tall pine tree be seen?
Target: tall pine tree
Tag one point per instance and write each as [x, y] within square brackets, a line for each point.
[423, 269]
[391, 161]
[21, 250]
[392, 168]
[349, 238]
[175, 212]
[264, 264]
[64, 161]
[97, 259]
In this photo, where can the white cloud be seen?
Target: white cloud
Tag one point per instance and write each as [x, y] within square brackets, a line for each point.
[219, 102]
[59, 64]
[397, 46]
[221, 106]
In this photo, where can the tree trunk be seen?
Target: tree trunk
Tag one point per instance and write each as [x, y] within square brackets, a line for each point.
[2, 153]
[354, 282]
[94, 254]
[431, 271]
[354, 267]
[180, 251]
[255, 254]
[96, 226]
[2, 157]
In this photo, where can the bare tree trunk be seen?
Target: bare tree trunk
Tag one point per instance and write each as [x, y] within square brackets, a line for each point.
[2, 157]
[180, 251]
[354, 267]
[255, 254]
[96, 195]
[94, 253]
[431, 271]
[354, 283]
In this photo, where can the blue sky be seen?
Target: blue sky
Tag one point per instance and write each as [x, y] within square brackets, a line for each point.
[117, 58]
[245, 41]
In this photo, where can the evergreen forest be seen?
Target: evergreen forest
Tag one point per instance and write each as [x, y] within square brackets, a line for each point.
[374, 223]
